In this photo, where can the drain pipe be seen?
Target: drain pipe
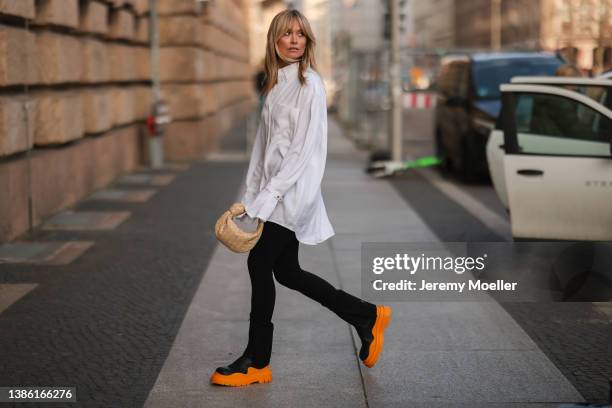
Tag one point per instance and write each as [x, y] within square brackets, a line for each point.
[159, 117]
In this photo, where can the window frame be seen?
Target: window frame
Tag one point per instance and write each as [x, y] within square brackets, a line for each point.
[508, 115]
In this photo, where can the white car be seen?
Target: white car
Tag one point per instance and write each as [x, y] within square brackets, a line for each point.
[550, 157]
[605, 75]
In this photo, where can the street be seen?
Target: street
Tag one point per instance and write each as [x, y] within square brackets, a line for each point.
[145, 315]
[444, 164]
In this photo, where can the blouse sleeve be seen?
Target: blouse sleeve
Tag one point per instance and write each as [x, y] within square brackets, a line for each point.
[253, 175]
[309, 140]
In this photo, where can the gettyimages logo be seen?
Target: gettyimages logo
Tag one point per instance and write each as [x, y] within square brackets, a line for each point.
[487, 271]
[413, 265]
[431, 272]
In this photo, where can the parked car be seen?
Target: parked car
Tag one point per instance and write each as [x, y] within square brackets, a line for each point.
[605, 75]
[469, 102]
[550, 157]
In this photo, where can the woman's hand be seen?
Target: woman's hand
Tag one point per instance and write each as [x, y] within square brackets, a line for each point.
[245, 217]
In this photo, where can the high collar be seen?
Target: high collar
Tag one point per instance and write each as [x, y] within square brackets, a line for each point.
[288, 72]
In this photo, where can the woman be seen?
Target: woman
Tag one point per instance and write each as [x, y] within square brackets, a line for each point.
[283, 188]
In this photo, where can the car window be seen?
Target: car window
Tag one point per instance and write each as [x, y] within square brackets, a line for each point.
[600, 94]
[552, 124]
[489, 75]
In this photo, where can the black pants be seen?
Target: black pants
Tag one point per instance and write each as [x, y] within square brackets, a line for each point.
[276, 253]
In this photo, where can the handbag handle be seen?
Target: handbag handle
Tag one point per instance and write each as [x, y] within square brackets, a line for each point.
[238, 209]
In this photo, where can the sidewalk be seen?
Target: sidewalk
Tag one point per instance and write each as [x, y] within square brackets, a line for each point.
[436, 354]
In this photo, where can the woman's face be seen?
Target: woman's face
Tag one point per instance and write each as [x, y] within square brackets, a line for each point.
[293, 42]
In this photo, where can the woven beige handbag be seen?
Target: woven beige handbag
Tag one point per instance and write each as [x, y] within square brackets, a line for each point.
[231, 236]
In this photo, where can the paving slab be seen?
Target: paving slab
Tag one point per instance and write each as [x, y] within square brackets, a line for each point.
[12, 292]
[85, 220]
[127, 196]
[227, 157]
[147, 179]
[43, 253]
[170, 166]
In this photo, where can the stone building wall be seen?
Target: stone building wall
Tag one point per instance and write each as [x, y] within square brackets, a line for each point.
[205, 72]
[75, 90]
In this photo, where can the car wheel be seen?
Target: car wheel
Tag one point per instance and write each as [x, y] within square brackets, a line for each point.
[468, 167]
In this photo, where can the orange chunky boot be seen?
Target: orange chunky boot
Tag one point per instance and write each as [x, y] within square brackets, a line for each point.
[241, 372]
[372, 335]
[253, 366]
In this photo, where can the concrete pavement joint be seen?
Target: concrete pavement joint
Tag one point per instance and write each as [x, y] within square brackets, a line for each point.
[350, 329]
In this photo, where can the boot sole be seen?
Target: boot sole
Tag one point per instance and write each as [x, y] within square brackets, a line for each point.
[253, 375]
[383, 317]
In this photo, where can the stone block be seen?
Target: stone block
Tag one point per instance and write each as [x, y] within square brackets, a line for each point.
[185, 101]
[181, 63]
[121, 24]
[188, 140]
[58, 117]
[18, 8]
[222, 67]
[93, 17]
[123, 105]
[14, 215]
[210, 99]
[113, 154]
[143, 99]
[142, 30]
[17, 57]
[97, 110]
[16, 124]
[177, 6]
[142, 63]
[212, 37]
[58, 59]
[210, 66]
[141, 7]
[96, 61]
[121, 3]
[214, 14]
[64, 13]
[122, 62]
[180, 30]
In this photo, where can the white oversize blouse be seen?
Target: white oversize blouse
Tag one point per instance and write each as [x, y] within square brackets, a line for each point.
[283, 181]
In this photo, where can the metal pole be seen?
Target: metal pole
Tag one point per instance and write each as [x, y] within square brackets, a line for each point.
[396, 87]
[154, 37]
[155, 143]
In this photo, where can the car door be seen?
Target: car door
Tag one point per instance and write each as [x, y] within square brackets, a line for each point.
[557, 162]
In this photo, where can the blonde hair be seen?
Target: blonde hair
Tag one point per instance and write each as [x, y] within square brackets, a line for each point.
[279, 25]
